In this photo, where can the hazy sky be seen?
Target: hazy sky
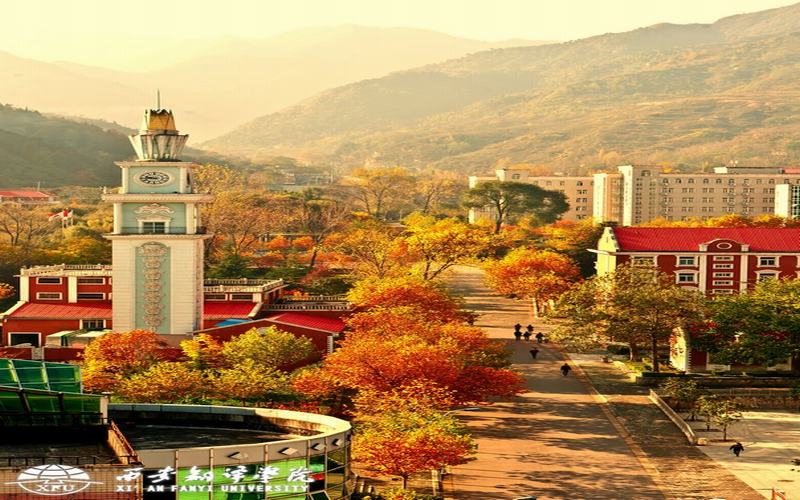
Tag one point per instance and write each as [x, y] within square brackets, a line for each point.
[106, 32]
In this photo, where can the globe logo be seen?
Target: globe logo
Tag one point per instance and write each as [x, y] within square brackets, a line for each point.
[53, 480]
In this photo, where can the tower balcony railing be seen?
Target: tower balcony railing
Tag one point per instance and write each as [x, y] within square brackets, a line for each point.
[160, 230]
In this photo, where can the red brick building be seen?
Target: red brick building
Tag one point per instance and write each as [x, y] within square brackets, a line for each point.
[712, 260]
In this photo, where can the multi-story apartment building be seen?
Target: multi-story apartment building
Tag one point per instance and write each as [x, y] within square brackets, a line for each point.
[640, 193]
[577, 189]
[787, 200]
[636, 194]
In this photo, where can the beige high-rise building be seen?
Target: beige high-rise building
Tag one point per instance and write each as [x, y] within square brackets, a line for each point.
[645, 193]
[636, 194]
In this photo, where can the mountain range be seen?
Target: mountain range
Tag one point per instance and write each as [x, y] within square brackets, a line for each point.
[228, 82]
[682, 95]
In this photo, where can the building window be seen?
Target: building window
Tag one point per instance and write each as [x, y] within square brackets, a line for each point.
[723, 257]
[705, 181]
[767, 276]
[690, 180]
[515, 176]
[91, 281]
[91, 296]
[723, 266]
[686, 261]
[722, 292]
[723, 275]
[766, 261]
[215, 296]
[31, 338]
[642, 261]
[153, 227]
[718, 181]
[687, 278]
[93, 325]
[48, 296]
[48, 281]
[241, 296]
[722, 282]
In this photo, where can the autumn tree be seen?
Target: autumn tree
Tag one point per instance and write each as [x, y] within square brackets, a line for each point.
[633, 304]
[510, 200]
[213, 178]
[438, 245]
[538, 275]
[6, 291]
[379, 191]
[438, 191]
[758, 327]
[240, 219]
[428, 299]
[268, 347]
[572, 238]
[371, 248]
[401, 443]
[318, 216]
[388, 349]
[23, 226]
[249, 381]
[165, 382]
[118, 355]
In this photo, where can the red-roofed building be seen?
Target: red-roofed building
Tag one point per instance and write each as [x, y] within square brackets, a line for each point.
[26, 197]
[68, 298]
[712, 260]
[321, 330]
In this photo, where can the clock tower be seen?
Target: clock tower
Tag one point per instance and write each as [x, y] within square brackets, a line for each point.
[157, 242]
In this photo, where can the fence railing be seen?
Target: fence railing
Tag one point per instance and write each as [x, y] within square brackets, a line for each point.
[314, 298]
[60, 268]
[121, 446]
[161, 230]
[302, 306]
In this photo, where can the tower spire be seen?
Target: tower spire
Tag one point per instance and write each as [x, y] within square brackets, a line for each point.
[158, 98]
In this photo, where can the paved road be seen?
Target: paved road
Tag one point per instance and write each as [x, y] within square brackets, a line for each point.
[554, 441]
[560, 440]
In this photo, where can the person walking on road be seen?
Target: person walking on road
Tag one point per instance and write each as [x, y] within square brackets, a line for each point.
[517, 334]
[526, 336]
[534, 352]
[737, 448]
[565, 369]
[529, 328]
[539, 337]
[517, 327]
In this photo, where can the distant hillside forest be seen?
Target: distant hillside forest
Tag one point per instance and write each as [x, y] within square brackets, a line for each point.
[54, 151]
[685, 96]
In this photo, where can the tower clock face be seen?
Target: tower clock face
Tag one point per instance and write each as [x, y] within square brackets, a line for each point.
[154, 178]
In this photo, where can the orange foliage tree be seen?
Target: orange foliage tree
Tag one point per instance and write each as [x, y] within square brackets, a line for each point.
[429, 299]
[117, 355]
[401, 443]
[539, 275]
[390, 350]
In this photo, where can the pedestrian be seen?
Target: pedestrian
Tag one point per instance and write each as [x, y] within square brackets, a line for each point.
[529, 328]
[534, 352]
[517, 334]
[526, 336]
[539, 337]
[517, 327]
[737, 448]
[565, 369]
